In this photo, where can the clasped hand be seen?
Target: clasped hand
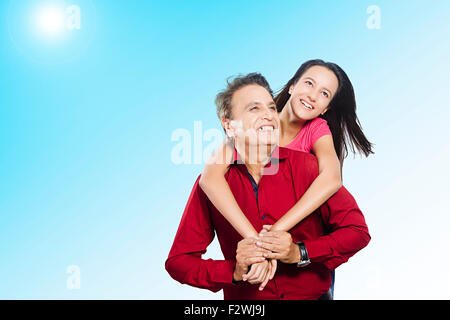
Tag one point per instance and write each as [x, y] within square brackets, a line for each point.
[256, 258]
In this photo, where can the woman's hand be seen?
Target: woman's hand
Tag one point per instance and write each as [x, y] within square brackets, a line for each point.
[280, 244]
[266, 228]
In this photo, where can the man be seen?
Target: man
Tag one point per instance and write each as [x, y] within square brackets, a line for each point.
[266, 181]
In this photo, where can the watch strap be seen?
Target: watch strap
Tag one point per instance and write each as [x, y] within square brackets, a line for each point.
[304, 259]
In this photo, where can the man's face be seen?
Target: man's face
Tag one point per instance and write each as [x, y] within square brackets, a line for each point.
[255, 119]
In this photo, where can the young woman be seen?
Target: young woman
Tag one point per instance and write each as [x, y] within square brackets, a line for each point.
[317, 111]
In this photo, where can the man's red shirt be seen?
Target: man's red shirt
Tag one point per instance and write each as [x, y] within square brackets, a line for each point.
[332, 234]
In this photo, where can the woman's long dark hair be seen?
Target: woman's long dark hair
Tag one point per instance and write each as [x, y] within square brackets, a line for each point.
[341, 115]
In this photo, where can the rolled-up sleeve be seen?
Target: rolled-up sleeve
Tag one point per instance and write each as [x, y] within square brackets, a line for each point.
[195, 233]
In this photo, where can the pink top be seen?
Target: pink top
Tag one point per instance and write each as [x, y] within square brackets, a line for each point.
[309, 134]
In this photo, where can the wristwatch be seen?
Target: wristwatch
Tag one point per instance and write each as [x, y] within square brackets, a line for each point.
[304, 259]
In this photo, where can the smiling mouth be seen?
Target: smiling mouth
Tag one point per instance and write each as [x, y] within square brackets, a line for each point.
[266, 129]
[307, 105]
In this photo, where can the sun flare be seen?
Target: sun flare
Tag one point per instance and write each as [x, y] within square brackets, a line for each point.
[50, 21]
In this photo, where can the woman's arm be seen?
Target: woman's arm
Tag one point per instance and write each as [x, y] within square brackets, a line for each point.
[213, 183]
[327, 183]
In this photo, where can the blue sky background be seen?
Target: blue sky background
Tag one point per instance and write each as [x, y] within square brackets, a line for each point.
[86, 176]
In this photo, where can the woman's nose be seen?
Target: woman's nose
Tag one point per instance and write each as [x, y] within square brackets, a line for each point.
[312, 95]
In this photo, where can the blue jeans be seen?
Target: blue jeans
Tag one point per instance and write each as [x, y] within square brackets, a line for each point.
[329, 295]
[332, 285]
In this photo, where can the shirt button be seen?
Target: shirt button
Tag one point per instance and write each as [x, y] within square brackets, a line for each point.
[282, 295]
[263, 216]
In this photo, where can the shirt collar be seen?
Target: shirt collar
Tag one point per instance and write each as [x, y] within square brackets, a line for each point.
[278, 153]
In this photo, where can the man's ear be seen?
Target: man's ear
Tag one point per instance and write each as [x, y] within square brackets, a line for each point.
[226, 124]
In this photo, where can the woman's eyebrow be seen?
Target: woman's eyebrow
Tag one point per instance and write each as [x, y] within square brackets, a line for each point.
[324, 88]
[310, 79]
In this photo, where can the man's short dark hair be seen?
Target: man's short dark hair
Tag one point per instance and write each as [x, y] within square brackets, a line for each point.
[223, 98]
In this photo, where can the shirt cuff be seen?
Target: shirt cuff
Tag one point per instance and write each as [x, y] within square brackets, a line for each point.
[317, 248]
[223, 273]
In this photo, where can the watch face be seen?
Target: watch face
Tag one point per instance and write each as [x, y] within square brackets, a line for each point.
[303, 263]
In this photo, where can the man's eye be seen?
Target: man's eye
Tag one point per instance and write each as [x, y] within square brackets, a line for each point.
[273, 108]
[253, 108]
[325, 94]
[309, 83]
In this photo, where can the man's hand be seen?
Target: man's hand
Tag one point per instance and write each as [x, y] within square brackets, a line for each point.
[281, 246]
[261, 272]
[247, 253]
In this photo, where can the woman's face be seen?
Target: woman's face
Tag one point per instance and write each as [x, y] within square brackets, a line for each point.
[313, 92]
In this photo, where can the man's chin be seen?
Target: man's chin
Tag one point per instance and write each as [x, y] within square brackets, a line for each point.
[266, 144]
[267, 141]
[261, 143]
[267, 137]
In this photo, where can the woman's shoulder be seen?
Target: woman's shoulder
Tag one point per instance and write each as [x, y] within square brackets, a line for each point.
[308, 135]
[317, 122]
[317, 128]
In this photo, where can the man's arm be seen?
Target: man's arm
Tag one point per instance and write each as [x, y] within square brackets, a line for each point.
[347, 229]
[195, 233]
[348, 232]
